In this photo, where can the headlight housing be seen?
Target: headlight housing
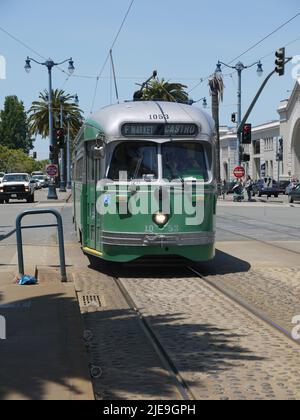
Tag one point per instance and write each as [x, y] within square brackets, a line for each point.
[161, 219]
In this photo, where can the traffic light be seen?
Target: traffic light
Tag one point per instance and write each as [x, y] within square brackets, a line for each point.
[34, 155]
[246, 158]
[247, 134]
[279, 156]
[280, 61]
[60, 138]
[233, 118]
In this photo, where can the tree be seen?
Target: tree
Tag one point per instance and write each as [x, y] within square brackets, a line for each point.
[18, 161]
[165, 91]
[216, 85]
[39, 113]
[14, 125]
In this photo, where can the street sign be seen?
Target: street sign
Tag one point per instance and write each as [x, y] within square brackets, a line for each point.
[239, 172]
[52, 170]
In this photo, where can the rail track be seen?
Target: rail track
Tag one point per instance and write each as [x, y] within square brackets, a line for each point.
[183, 389]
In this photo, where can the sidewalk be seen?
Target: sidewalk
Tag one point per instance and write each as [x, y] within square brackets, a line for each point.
[41, 196]
[257, 202]
[43, 357]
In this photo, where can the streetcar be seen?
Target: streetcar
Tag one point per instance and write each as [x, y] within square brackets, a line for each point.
[144, 182]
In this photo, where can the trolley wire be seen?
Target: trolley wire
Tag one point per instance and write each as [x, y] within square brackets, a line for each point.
[109, 52]
[264, 38]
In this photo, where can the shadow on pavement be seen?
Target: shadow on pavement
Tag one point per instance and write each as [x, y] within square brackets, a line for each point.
[132, 368]
[173, 268]
[43, 356]
[7, 235]
[223, 264]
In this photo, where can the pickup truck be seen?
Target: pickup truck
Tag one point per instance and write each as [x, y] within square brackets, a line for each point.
[16, 187]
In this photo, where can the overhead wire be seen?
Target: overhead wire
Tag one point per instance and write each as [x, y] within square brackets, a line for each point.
[265, 38]
[109, 52]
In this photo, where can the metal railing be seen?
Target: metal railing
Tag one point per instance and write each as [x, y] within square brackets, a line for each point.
[58, 225]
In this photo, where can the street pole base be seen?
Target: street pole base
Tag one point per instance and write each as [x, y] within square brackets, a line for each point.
[62, 187]
[52, 194]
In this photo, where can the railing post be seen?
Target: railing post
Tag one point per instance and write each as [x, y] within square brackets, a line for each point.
[20, 245]
[60, 230]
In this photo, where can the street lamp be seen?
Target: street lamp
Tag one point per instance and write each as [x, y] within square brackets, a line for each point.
[52, 194]
[240, 67]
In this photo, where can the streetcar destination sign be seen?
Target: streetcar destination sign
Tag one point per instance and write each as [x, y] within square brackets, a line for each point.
[159, 130]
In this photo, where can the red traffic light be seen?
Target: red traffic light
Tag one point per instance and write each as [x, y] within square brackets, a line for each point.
[247, 134]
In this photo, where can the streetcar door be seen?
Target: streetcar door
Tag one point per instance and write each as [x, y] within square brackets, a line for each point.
[91, 196]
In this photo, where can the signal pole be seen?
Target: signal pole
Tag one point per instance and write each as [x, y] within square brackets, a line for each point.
[240, 67]
[62, 150]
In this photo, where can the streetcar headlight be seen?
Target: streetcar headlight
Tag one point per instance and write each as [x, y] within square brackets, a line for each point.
[160, 219]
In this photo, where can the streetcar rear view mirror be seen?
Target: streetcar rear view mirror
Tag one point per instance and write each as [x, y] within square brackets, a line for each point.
[99, 149]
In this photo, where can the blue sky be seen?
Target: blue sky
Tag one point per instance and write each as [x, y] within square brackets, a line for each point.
[183, 40]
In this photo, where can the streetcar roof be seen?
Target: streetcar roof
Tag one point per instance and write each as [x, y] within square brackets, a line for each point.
[110, 119]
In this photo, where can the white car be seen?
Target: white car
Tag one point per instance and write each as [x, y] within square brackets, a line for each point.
[40, 180]
[16, 187]
[1, 176]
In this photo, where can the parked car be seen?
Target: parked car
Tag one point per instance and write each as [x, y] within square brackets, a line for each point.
[294, 195]
[40, 180]
[283, 185]
[16, 187]
[266, 187]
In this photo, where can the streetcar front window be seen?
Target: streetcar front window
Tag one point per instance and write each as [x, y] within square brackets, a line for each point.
[138, 160]
[184, 160]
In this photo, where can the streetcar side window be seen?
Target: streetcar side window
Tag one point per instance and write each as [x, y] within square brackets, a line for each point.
[137, 159]
[79, 170]
[183, 160]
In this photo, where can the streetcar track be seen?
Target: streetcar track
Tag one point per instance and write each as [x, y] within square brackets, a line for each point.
[262, 226]
[182, 388]
[246, 306]
[259, 240]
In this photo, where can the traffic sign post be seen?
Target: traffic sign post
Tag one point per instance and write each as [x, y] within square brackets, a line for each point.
[239, 172]
[52, 170]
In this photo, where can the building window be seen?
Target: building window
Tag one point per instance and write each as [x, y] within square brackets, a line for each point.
[256, 147]
[269, 144]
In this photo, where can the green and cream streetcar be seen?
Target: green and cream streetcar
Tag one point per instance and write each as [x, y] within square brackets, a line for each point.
[144, 182]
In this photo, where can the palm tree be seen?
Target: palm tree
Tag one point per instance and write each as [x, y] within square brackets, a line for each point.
[39, 113]
[216, 85]
[164, 91]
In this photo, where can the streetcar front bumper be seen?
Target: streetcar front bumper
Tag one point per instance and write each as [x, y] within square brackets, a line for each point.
[160, 240]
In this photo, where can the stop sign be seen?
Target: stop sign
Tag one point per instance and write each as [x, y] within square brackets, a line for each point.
[239, 172]
[52, 170]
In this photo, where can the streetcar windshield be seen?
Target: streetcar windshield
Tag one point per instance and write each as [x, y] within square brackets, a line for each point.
[137, 159]
[184, 160]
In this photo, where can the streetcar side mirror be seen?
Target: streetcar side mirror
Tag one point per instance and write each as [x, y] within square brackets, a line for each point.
[99, 149]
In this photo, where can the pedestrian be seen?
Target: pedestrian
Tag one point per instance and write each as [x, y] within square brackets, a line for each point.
[224, 189]
[249, 187]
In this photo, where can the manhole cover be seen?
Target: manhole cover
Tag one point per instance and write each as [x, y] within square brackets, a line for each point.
[90, 301]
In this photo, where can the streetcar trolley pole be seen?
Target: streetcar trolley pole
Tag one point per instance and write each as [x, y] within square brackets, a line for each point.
[58, 225]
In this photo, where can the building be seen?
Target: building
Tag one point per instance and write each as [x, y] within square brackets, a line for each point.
[266, 145]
